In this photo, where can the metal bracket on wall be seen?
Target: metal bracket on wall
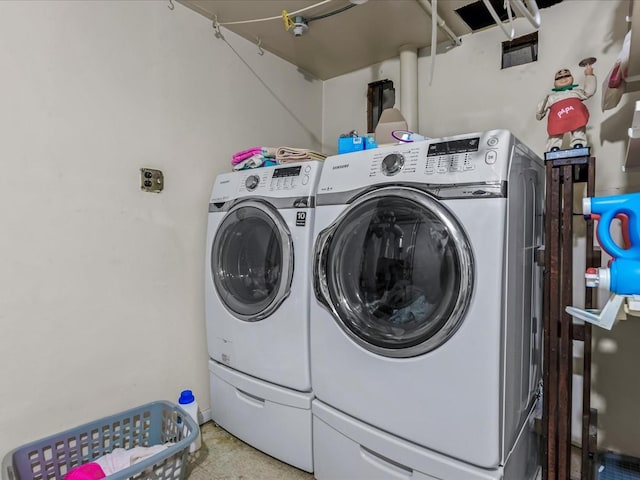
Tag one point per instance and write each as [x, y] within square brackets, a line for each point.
[151, 180]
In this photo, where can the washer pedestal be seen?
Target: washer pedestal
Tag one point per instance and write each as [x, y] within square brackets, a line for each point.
[268, 417]
[346, 448]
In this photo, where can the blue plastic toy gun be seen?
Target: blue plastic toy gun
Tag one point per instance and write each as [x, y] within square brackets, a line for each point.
[622, 277]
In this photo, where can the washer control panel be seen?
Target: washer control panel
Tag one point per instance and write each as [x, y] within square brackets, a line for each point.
[284, 178]
[460, 155]
[451, 155]
[465, 154]
[474, 158]
[288, 180]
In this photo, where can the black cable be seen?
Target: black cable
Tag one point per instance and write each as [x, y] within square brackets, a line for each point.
[329, 14]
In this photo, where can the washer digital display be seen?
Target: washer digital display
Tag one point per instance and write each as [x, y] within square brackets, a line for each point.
[287, 172]
[454, 146]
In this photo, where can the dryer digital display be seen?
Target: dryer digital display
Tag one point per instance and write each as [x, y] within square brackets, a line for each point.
[287, 172]
[454, 146]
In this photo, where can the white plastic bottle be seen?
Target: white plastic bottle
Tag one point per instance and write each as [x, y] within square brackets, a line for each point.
[188, 402]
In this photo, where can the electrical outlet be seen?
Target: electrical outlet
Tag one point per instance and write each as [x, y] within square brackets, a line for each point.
[151, 180]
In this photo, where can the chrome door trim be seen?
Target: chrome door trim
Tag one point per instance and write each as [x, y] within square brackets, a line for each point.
[288, 261]
[277, 203]
[488, 189]
[462, 246]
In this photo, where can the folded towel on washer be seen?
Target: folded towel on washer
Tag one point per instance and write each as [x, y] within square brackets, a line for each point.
[250, 152]
[280, 154]
[244, 154]
[254, 161]
[291, 154]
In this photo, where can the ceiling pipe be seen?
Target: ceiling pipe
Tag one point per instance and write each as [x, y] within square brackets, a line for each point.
[409, 86]
[426, 6]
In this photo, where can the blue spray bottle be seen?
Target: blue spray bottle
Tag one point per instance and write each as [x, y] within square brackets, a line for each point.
[622, 277]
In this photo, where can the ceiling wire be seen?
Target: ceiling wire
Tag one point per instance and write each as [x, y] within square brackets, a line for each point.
[329, 14]
[278, 17]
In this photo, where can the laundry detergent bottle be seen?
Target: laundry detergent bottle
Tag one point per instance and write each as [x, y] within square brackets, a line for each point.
[622, 276]
[606, 209]
[188, 402]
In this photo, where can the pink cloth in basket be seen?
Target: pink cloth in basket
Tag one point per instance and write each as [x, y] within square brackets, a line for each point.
[88, 471]
[113, 462]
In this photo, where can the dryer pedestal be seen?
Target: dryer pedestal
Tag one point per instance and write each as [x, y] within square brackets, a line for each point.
[347, 448]
[268, 417]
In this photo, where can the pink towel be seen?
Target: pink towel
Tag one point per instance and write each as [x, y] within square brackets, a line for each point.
[88, 471]
[244, 154]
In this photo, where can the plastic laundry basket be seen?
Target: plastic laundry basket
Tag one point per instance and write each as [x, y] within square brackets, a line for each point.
[151, 424]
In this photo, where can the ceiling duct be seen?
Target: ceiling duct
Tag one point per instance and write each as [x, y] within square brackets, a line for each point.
[477, 16]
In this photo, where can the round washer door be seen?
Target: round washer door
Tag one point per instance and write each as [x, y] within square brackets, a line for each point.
[396, 272]
[252, 260]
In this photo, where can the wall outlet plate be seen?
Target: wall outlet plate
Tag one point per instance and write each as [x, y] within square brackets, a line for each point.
[151, 180]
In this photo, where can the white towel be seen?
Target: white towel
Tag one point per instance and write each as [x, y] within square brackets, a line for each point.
[119, 458]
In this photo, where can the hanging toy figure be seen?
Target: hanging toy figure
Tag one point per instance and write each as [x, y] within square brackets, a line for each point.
[567, 112]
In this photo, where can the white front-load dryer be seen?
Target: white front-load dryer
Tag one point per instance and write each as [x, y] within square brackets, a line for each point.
[426, 318]
[257, 294]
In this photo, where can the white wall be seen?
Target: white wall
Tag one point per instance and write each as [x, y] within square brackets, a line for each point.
[101, 284]
[471, 93]
[101, 301]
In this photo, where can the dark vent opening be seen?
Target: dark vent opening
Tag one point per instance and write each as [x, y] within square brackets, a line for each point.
[520, 50]
[380, 96]
[477, 16]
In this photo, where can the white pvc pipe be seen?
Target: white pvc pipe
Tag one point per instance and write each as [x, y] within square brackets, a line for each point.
[530, 11]
[509, 33]
[426, 6]
[409, 86]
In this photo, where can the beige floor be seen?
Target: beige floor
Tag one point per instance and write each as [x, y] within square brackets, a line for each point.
[224, 457]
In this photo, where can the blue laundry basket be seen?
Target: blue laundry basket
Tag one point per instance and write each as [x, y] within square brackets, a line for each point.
[151, 424]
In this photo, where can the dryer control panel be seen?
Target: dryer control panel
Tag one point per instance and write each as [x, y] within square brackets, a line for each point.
[281, 181]
[460, 160]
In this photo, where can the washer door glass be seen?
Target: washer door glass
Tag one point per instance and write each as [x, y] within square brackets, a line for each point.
[396, 270]
[252, 260]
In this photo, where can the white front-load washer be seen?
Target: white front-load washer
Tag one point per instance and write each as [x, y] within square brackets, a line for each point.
[426, 318]
[257, 294]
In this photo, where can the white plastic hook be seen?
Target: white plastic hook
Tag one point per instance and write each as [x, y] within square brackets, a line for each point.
[603, 318]
[216, 27]
[259, 44]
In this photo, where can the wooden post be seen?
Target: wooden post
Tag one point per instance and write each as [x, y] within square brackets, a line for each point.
[563, 169]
